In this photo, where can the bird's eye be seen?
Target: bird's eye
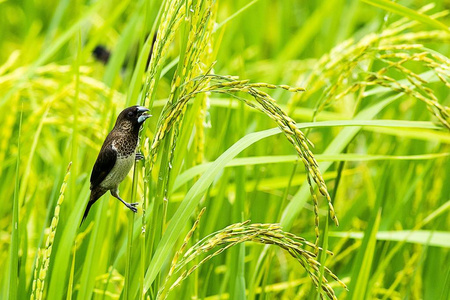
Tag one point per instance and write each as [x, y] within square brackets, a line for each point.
[130, 113]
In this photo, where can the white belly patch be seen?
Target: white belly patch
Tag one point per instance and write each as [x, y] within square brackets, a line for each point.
[118, 173]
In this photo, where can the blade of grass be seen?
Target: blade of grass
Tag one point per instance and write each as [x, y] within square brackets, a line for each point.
[234, 15]
[423, 237]
[236, 264]
[63, 256]
[399, 9]
[92, 264]
[191, 173]
[72, 272]
[11, 292]
[128, 262]
[325, 235]
[363, 262]
[305, 34]
[120, 51]
[56, 19]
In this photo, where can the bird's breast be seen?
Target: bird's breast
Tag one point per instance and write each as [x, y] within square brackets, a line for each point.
[118, 173]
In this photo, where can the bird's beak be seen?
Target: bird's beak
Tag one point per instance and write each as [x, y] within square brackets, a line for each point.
[141, 110]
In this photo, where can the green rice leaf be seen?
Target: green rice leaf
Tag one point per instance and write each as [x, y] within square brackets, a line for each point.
[399, 9]
[423, 237]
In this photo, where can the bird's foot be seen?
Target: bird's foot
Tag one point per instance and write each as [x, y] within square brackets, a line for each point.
[132, 206]
[139, 156]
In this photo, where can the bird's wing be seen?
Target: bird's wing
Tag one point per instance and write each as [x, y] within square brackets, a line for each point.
[103, 165]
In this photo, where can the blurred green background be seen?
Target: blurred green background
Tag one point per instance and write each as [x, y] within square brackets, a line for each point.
[360, 61]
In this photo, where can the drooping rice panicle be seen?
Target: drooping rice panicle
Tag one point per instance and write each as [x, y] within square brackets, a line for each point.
[270, 234]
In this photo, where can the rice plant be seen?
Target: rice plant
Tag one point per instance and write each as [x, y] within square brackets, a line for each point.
[297, 149]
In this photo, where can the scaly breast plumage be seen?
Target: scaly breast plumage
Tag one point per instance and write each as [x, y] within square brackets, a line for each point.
[118, 173]
[125, 146]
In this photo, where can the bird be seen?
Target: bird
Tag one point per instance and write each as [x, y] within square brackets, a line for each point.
[102, 54]
[116, 157]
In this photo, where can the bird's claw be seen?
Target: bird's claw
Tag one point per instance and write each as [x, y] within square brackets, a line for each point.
[139, 156]
[132, 206]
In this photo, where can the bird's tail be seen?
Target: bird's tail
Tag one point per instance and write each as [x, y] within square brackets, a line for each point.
[86, 212]
[95, 194]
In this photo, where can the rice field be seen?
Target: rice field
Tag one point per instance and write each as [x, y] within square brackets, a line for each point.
[296, 149]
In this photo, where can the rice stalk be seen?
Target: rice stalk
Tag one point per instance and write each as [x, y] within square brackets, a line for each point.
[198, 25]
[200, 121]
[172, 16]
[41, 270]
[182, 85]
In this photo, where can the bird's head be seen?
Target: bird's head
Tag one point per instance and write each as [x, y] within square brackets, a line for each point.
[132, 118]
[102, 54]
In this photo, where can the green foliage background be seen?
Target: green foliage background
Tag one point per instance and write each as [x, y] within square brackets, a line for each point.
[376, 107]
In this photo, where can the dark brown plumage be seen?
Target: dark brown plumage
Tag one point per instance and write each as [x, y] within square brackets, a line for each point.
[102, 54]
[117, 156]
